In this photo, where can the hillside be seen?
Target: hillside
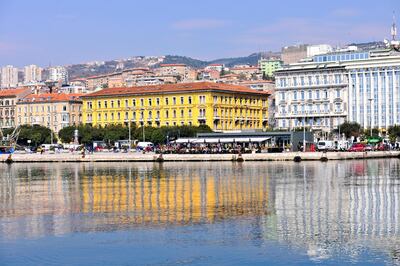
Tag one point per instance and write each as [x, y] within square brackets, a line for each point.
[105, 67]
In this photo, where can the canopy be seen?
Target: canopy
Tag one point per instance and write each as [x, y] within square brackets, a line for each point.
[374, 140]
[228, 140]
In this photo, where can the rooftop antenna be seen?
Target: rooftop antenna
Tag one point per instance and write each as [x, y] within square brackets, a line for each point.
[393, 30]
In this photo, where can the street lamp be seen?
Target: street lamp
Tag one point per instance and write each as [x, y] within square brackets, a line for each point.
[370, 119]
[144, 136]
[304, 132]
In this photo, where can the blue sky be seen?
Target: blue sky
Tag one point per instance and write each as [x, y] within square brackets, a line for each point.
[71, 31]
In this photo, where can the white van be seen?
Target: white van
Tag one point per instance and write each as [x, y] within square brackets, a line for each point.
[143, 145]
[325, 145]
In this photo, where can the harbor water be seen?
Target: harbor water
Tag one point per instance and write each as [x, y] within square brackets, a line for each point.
[201, 213]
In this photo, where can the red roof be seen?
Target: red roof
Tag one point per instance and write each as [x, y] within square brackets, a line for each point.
[174, 88]
[12, 92]
[51, 97]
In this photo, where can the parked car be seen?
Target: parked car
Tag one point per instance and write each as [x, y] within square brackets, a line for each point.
[368, 147]
[357, 147]
[147, 146]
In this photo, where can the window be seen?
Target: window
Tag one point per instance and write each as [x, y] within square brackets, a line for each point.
[142, 102]
[105, 104]
[182, 100]
[202, 99]
[302, 95]
[166, 101]
[150, 102]
[310, 94]
[174, 100]
[295, 95]
[190, 113]
[174, 114]
[182, 113]
[158, 101]
[325, 94]
[89, 105]
[337, 79]
[190, 99]
[126, 103]
[134, 102]
[119, 103]
[167, 114]
[112, 104]
[99, 104]
[64, 108]
[317, 94]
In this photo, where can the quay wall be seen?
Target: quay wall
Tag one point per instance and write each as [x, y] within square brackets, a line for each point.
[139, 157]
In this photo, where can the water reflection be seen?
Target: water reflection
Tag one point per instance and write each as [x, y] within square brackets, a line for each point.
[325, 208]
[61, 198]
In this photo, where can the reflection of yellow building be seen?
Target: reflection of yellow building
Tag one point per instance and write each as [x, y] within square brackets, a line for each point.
[177, 198]
[220, 106]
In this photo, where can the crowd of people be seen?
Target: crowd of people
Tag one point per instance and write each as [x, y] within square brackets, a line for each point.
[208, 148]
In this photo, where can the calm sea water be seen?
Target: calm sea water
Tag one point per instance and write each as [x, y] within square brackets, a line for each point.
[251, 213]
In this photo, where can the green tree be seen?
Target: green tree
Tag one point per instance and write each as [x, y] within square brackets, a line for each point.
[394, 133]
[349, 129]
[36, 134]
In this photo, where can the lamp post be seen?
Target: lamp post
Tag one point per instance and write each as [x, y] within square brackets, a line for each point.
[304, 132]
[370, 119]
[144, 136]
[129, 129]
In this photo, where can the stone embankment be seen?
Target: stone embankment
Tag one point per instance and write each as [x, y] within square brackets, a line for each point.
[139, 157]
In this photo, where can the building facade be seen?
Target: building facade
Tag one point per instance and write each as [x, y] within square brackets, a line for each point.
[32, 74]
[311, 96]
[374, 92]
[269, 66]
[9, 77]
[52, 110]
[220, 106]
[58, 74]
[293, 54]
[8, 101]
[357, 86]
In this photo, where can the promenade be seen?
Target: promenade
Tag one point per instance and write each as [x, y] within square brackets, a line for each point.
[148, 157]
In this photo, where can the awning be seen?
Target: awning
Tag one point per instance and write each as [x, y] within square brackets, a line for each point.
[231, 140]
[188, 140]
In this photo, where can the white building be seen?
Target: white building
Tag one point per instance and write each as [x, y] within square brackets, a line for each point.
[58, 74]
[9, 77]
[362, 87]
[32, 74]
[311, 95]
[318, 49]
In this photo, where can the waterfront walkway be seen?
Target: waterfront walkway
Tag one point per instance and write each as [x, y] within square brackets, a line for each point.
[139, 157]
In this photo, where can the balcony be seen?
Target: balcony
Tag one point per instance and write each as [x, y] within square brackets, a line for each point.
[217, 117]
[201, 118]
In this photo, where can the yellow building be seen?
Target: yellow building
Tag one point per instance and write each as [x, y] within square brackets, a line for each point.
[52, 110]
[220, 106]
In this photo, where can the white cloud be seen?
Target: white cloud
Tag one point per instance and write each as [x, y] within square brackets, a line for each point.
[199, 24]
